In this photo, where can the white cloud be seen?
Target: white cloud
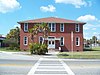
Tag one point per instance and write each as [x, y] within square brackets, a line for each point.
[87, 18]
[49, 8]
[86, 28]
[92, 25]
[9, 5]
[76, 3]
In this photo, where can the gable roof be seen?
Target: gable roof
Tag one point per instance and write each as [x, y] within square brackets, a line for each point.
[51, 20]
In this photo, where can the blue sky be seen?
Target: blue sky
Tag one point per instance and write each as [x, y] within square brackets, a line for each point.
[12, 11]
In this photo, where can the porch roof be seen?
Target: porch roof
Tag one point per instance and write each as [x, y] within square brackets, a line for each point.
[52, 39]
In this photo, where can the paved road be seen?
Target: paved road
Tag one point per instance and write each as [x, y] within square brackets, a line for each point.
[12, 64]
[16, 64]
[84, 66]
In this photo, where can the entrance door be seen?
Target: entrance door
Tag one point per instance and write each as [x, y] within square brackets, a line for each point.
[51, 44]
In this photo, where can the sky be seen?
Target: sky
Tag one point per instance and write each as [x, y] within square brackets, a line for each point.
[13, 11]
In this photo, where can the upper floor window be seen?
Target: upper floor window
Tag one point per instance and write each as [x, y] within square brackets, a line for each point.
[77, 41]
[25, 40]
[41, 40]
[25, 27]
[62, 27]
[77, 28]
[52, 27]
[62, 41]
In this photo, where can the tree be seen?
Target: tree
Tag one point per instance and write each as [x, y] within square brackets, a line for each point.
[13, 37]
[94, 40]
[35, 47]
[43, 28]
[14, 34]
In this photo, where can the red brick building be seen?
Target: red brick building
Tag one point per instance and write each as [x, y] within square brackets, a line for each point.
[67, 34]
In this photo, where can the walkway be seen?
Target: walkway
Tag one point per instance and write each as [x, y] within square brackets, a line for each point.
[50, 65]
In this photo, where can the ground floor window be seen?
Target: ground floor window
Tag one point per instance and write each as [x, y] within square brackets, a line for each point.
[62, 41]
[77, 41]
[41, 40]
[25, 40]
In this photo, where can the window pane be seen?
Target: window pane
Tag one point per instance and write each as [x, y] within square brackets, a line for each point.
[61, 27]
[49, 42]
[41, 40]
[26, 27]
[77, 27]
[77, 41]
[25, 40]
[52, 42]
[50, 26]
[62, 41]
[53, 26]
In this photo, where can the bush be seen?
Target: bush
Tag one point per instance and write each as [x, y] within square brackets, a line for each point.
[39, 49]
[13, 45]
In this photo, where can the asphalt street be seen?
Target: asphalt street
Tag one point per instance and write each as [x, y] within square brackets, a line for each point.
[18, 64]
[12, 64]
[84, 66]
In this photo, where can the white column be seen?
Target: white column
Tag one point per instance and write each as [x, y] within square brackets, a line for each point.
[72, 41]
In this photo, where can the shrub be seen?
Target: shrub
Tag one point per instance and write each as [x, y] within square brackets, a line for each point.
[39, 49]
[13, 45]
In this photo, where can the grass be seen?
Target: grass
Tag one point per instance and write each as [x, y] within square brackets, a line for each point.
[93, 53]
[8, 50]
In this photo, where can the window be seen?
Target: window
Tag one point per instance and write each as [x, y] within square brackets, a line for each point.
[62, 41]
[52, 27]
[26, 27]
[62, 27]
[77, 41]
[77, 29]
[41, 40]
[25, 40]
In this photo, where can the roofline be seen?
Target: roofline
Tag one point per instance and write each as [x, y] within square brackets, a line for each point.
[51, 22]
[26, 21]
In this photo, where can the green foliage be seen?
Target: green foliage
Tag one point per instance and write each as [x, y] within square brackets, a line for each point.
[39, 49]
[13, 45]
[39, 28]
[13, 39]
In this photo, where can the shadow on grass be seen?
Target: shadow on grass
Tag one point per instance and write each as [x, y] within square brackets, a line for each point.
[90, 49]
[63, 54]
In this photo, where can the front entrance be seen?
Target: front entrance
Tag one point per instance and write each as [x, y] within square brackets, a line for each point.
[51, 44]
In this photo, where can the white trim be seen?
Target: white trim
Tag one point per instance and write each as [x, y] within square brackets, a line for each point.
[78, 41]
[26, 40]
[39, 39]
[60, 27]
[60, 41]
[26, 29]
[77, 26]
[72, 41]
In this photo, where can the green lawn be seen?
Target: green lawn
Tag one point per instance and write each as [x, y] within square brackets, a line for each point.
[87, 54]
[8, 50]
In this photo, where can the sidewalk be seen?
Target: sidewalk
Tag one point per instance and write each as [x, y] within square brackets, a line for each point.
[23, 53]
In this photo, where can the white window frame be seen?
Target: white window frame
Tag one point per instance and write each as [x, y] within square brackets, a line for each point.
[61, 27]
[39, 39]
[26, 27]
[77, 41]
[51, 27]
[77, 27]
[25, 40]
[60, 41]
